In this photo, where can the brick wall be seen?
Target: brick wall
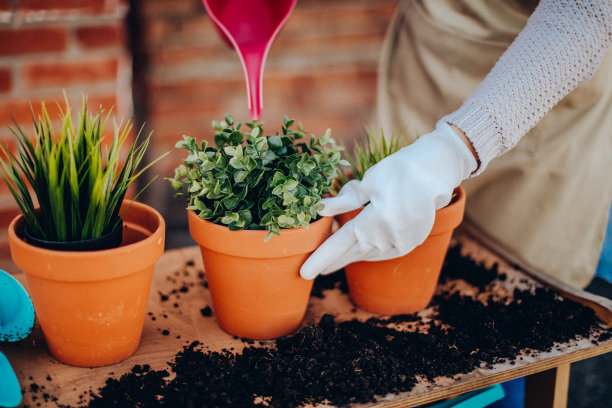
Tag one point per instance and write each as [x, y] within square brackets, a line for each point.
[321, 70]
[48, 46]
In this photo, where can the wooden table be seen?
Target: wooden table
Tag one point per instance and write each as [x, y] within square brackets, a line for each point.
[168, 328]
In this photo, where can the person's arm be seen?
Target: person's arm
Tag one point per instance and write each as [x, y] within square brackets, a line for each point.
[559, 48]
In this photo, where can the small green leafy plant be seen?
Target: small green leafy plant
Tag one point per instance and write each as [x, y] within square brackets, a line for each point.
[79, 188]
[253, 181]
[369, 152]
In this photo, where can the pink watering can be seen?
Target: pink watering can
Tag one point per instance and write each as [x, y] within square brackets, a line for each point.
[250, 26]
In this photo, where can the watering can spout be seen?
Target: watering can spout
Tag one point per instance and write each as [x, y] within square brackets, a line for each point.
[250, 26]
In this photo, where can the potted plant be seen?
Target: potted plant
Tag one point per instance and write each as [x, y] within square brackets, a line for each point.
[87, 254]
[253, 202]
[405, 284]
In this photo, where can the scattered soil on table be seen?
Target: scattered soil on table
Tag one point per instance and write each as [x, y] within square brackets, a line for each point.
[355, 361]
[206, 312]
[322, 283]
[178, 278]
[457, 266]
[40, 395]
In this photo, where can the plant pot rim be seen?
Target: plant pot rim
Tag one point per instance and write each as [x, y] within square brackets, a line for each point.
[450, 216]
[109, 240]
[251, 244]
[69, 265]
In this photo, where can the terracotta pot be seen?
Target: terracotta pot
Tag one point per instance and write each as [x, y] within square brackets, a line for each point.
[91, 305]
[405, 284]
[256, 288]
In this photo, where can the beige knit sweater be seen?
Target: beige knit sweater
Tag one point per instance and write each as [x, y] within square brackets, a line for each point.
[559, 48]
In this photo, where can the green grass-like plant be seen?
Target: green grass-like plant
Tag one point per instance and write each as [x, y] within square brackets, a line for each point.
[252, 181]
[370, 151]
[79, 185]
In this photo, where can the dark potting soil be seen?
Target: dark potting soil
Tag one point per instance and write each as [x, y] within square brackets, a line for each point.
[355, 361]
[457, 266]
[322, 283]
[176, 278]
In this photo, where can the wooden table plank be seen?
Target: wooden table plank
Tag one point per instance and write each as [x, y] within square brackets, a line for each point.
[183, 269]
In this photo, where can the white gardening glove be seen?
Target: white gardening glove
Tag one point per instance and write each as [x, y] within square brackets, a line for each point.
[404, 191]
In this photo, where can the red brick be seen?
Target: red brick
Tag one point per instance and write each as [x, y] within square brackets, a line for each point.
[106, 102]
[101, 36]
[17, 41]
[65, 73]
[5, 80]
[175, 9]
[20, 110]
[66, 5]
[186, 31]
[197, 92]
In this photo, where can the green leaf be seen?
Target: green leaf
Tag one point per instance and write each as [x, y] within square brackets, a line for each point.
[177, 185]
[278, 178]
[270, 203]
[239, 152]
[199, 205]
[231, 202]
[278, 190]
[236, 163]
[230, 217]
[240, 176]
[236, 137]
[246, 216]
[306, 167]
[285, 221]
[260, 144]
[290, 184]
[221, 139]
[269, 157]
[288, 122]
[275, 142]
[195, 187]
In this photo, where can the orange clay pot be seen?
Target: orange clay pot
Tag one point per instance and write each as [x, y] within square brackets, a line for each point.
[256, 288]
[405, 284]
[91, 305]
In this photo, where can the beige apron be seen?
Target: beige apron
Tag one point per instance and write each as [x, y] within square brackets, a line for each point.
[547, 200]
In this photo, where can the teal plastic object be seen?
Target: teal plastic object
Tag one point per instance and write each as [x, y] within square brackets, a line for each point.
[16, 323]
[16, 309]
[10, 392]
[476, 399]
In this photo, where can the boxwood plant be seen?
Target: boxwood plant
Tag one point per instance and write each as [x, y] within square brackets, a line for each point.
[253, 181]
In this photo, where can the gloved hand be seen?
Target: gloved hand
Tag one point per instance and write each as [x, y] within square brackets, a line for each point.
[404, 190]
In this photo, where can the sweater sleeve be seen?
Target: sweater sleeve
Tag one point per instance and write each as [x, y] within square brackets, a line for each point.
[560, 47]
